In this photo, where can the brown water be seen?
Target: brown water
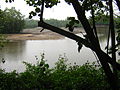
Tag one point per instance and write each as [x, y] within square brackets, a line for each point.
[16, 52]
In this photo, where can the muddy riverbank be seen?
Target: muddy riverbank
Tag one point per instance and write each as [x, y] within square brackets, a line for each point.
[35, 34]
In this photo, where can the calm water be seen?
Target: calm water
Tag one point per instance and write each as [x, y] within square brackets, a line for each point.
[16, 52]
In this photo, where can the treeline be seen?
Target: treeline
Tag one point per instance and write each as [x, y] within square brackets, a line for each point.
[103, 19]
[100, 19]
[11, 21]
[30, 23]
[57, 23]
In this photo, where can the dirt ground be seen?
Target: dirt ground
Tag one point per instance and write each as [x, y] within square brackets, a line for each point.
[35, 34]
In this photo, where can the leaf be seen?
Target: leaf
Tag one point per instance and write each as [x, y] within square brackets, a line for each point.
[47, 66]
[79, 46]
[71, 28]
[34, 14]
[71, 18]
[68, 1]
[6, 1]
[42, 63]
[39, 2]
[30, 16]
[67, 25]
[76, 21]
[37, 10]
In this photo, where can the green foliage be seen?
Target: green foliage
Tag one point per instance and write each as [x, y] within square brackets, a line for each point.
[37, 3]
[57, 23]
[61, 77]
[30, 23]
[9, 1]
[100, 18]
[11, 21]
[117, 22]
[72, 23]
[3, 40]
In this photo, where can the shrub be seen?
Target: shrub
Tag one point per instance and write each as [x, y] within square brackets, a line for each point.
[62, 77]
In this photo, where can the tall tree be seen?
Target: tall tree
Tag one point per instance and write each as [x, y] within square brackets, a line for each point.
[91, 41]
[12, 21]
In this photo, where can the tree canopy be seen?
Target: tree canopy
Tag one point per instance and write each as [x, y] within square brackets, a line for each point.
[11, 21]
[91, 38]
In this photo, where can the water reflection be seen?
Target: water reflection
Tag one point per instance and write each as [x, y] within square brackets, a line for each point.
[12, 54]
[103, 33]
[13, 50]
[17, 51]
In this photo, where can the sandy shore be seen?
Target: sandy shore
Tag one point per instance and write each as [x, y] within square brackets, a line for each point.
[35, 34]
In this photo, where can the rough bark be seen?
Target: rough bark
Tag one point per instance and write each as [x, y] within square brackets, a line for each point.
[76, 38]
[102, 57]
[91, 43]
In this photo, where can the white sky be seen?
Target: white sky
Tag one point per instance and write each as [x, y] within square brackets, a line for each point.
[61, 11]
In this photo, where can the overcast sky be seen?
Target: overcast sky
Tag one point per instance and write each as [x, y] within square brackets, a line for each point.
[61, 11]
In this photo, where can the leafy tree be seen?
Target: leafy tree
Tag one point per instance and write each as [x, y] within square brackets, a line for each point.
[91, 39]
[100, 18]
[57, 23]
[12, 21]
[31, 23]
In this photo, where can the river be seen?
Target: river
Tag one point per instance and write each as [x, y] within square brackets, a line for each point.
[16, 52]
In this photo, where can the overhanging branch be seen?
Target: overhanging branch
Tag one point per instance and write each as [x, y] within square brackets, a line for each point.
[74, 37]
[42, 9]
[65, 33]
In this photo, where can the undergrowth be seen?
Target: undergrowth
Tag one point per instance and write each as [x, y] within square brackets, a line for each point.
[62, 77]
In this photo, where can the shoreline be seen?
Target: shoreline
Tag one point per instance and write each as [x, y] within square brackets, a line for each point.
[35, 34]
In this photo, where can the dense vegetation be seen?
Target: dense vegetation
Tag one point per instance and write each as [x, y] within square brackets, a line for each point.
[61, 77]
[100, 19]
[117, 22]
[30, 23]
[91, 39]
[11, 21]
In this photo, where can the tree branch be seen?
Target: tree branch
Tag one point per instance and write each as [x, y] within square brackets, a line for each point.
[42, 9]
[74, 37]
[65, 33]
[85, 23]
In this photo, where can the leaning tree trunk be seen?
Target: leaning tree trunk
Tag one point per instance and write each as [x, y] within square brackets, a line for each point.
[102, 57]
[92, 43]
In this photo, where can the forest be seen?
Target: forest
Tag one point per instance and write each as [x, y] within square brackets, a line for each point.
[12, 21]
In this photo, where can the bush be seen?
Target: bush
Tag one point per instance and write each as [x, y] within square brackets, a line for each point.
[61, 77]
